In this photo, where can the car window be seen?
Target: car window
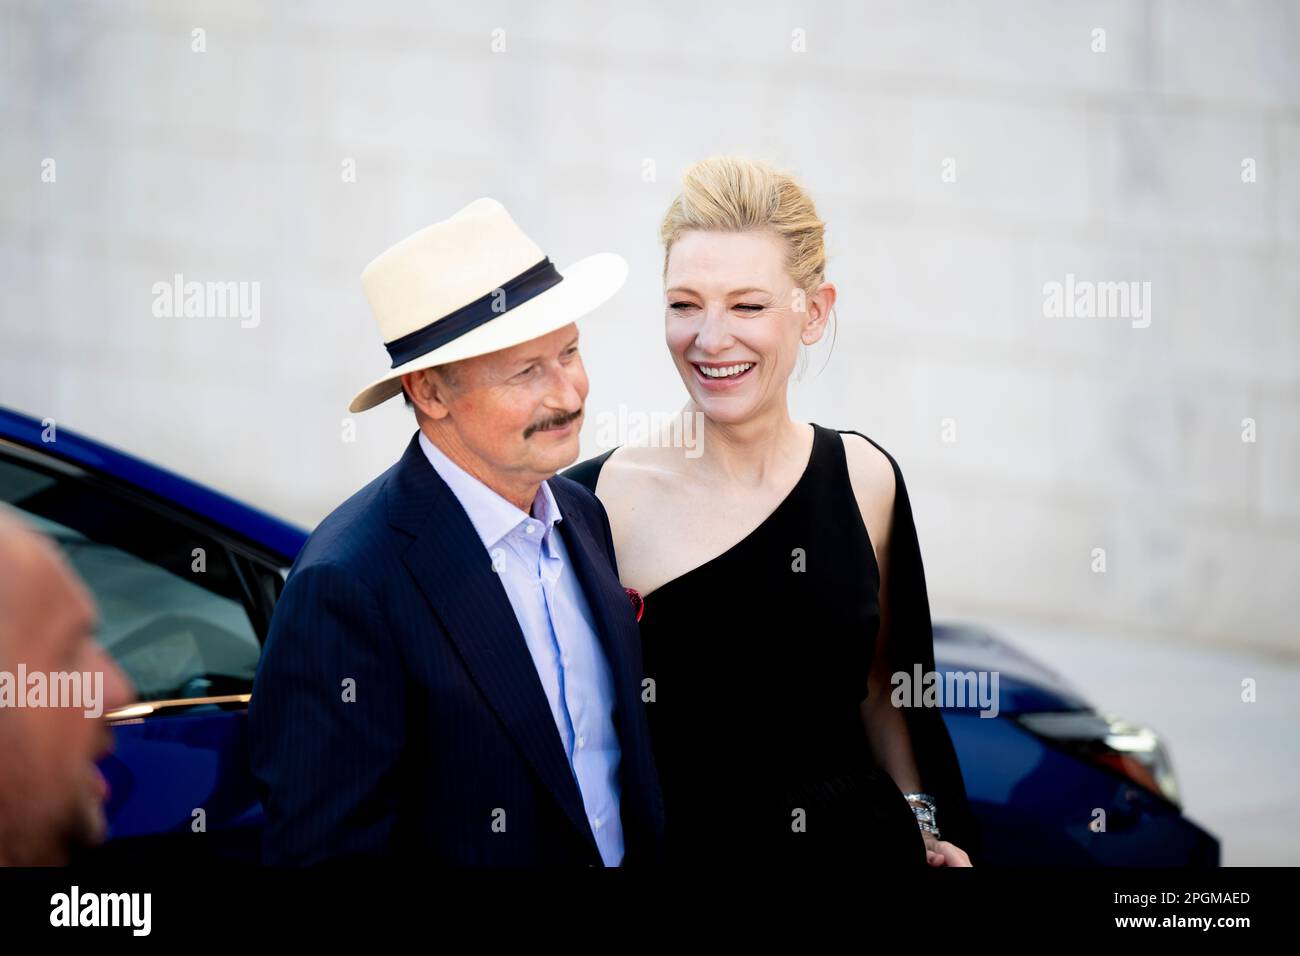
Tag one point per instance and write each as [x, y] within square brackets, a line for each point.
[171, 606]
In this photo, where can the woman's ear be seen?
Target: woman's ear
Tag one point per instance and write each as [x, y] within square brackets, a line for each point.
[818, 312]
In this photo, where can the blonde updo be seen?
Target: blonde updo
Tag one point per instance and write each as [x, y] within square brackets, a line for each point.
[735, 194]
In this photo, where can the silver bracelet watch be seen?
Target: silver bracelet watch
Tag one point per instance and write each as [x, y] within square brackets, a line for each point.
[925, 812]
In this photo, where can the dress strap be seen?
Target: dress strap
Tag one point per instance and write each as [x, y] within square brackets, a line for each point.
[835, 480]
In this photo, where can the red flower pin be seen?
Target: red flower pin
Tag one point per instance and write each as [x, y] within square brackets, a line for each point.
[638, 605]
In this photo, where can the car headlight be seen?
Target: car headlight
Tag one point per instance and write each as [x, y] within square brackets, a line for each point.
[1128, 748]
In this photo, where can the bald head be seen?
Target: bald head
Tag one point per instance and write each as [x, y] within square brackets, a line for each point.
[51, 793]
[30, 561]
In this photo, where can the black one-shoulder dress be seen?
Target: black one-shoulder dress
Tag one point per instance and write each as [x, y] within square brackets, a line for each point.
[758, 663]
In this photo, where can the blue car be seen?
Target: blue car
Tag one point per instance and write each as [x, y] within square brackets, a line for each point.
[187, 579]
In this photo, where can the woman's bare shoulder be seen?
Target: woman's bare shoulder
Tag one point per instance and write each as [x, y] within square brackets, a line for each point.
[871, 473]
[632, 471]
[644, 461]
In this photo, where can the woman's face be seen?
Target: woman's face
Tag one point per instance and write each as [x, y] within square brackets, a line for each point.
[734, 319]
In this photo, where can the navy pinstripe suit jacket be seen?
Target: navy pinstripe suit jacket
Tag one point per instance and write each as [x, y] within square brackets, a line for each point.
[448, 754]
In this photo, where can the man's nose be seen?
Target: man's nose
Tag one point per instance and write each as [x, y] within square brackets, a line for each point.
[567, 389]
[118, 689]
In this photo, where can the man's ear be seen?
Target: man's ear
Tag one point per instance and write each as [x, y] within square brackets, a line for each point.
[427, 393]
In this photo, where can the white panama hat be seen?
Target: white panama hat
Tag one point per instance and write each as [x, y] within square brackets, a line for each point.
[470, 285]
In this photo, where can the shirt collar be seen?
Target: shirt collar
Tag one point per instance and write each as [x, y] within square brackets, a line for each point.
[493, 516]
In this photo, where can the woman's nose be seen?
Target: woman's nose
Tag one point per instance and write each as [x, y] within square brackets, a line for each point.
[714, 335]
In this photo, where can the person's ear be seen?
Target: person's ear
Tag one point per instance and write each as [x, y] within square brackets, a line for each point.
[818, 313]
[428, 393]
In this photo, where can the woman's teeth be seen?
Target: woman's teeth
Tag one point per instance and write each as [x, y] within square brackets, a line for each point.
[726, 371]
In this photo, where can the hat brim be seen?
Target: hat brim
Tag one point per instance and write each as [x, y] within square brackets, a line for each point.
[587, 284]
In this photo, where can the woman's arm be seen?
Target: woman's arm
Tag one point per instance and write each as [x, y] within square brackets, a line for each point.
[886, 726]
[872, 478]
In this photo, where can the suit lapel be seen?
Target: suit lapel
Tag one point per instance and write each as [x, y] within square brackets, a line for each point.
[450, 566]
[609, 604]
[617, 629]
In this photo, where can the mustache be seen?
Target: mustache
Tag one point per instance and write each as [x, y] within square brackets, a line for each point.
[558, 421]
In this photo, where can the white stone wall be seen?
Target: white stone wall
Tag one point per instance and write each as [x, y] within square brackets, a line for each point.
[1071, 433]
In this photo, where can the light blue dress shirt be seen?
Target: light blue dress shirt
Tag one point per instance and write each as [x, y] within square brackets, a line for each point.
[529, 554]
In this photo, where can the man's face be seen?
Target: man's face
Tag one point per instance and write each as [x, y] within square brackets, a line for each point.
[51, 793]
[516, 412]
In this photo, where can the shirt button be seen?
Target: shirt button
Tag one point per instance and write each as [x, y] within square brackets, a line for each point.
[597, 822]
[529, 528]
[564, 660]
[582, 742]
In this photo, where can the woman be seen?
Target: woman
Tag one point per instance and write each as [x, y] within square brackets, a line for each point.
[779, 568]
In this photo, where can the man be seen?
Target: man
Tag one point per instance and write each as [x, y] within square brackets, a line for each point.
[453, 671]
[51, 792]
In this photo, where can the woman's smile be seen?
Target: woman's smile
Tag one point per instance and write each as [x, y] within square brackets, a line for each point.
[722, 376]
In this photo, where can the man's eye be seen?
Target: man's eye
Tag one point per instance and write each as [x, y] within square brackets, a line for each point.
[749, 307]
[681, 306]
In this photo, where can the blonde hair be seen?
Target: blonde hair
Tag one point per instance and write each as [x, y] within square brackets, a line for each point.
[736, 194]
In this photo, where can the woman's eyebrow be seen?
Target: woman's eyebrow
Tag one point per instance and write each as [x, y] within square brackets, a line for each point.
[687, 291]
